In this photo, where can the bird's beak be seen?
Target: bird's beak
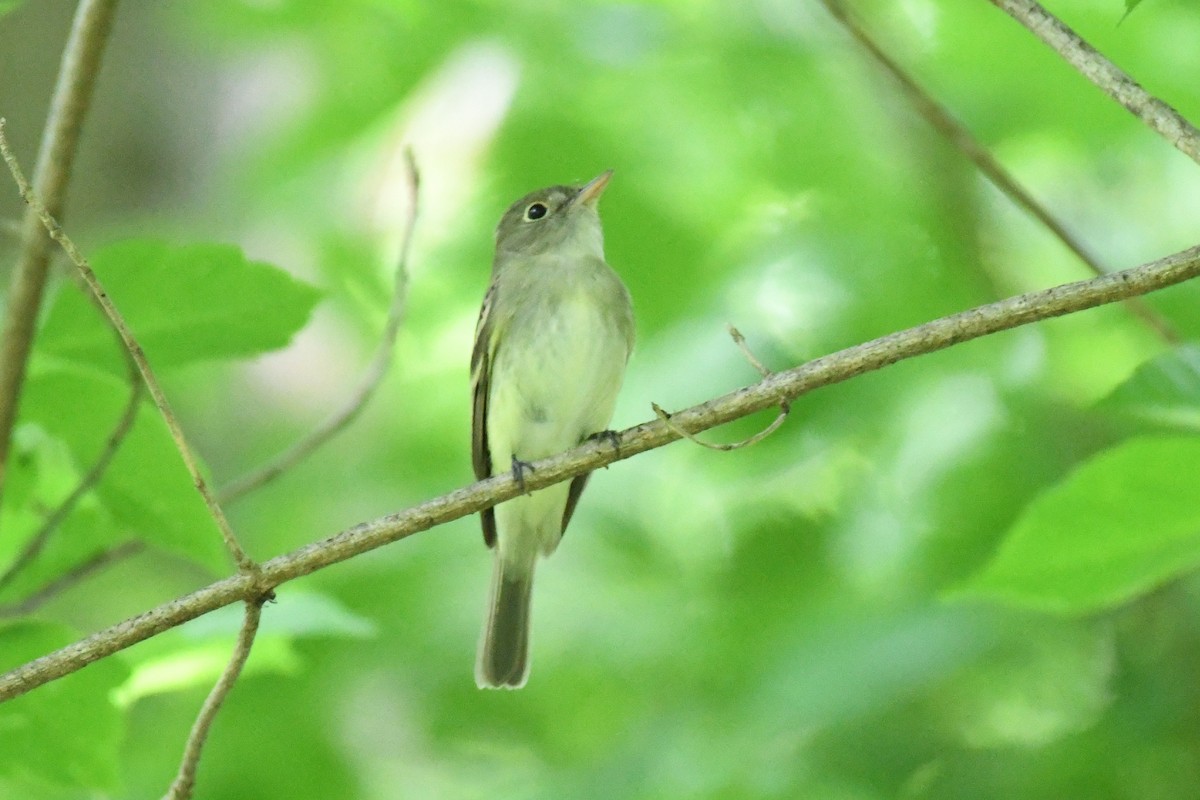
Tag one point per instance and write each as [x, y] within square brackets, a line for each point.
[591, 191]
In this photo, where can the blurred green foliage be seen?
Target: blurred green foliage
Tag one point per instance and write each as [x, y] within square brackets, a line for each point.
[969, 575]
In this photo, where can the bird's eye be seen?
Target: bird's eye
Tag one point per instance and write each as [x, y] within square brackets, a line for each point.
[536, 211]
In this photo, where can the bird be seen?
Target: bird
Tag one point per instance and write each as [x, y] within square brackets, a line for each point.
[553, 339]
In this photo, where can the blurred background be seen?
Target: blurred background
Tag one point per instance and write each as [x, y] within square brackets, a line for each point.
[773, 622]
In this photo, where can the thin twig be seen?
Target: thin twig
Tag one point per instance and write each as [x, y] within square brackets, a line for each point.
[71, 578]
[372, 376]
[185, 780]
[38, 541]
[942, 121]
[784, 406]
[52, 172]
[244, 562]
[740, 341]
[594, 454]
[691, 437]
[1159, 116]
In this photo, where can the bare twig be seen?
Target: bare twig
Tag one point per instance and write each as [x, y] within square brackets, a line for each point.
[691, 437]
[38, 541]
[72, 95]
[244, 562]
[1159, 116]
[372, 376]
[787, 385]
[784, 406]
[740, 341]
[942, 121]
[71, 578]
[185, 780]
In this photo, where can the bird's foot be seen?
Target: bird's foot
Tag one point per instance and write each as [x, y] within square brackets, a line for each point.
[518, 471]
[611, 436]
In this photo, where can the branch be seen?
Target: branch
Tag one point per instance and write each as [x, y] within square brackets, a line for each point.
[1159, 116]
[185, 780]
[72, 95]
[782, 386]
[372, 376]
[244, 562]
[942, 121]
[785, 408]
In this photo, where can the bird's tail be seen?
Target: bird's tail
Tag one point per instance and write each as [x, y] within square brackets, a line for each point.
[504, 650]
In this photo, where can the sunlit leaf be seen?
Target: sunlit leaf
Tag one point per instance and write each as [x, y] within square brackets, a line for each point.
[184, 303]
[67, 732]
[146, 487]
[200, 665]
[297, 614]
[196, 653]
[1120, 525]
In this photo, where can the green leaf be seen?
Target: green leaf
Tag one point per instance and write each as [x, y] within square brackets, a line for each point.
[1130, 5]
[1163, 391]
[184, 303]
[1119, 525]
[40, 475]
[40, 471]
[7, 6]
[195, 654]
[200, 665]
[146, 488]
[74, 403]
[299, 614]
[67, 732]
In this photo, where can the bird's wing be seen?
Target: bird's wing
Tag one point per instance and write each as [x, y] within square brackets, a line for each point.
[481, 365]
[573, 498]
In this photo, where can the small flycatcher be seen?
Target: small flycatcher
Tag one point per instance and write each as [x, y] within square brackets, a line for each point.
[553, 338]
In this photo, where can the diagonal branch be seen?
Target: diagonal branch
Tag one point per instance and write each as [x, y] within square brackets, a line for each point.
[1159, 116]
[72, 96]
[781, 386]
[244, 562]
[185, 780]
[942, 121]
[372, 376]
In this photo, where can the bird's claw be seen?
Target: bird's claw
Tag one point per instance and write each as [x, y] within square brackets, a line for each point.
[611, 436]
[518, 471]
